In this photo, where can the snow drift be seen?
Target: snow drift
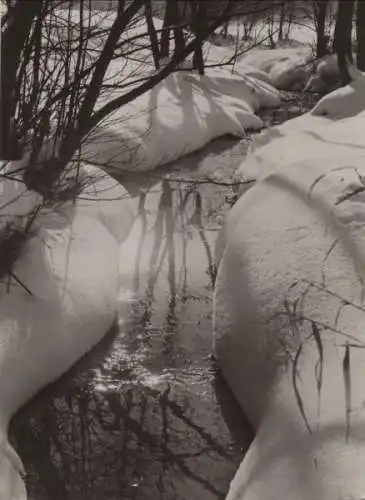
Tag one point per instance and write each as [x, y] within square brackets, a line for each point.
[293, 68]
[178, 116]
[334, 126]
[69, 269]
[288, 68]
[289, 309]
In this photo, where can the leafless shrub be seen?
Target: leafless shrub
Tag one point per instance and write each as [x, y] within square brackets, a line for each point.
[65, 68]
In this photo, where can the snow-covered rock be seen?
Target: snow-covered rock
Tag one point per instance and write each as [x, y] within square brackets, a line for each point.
[69, 269]
[288, 68]
[296, 251]
[327, 140]
[178, 116]
[326, 74]
[288, 76]
[267, 95]
[258, 74]
[327, 69]
[265, 59]
[345, 101]
[289, 313]
[335, 124]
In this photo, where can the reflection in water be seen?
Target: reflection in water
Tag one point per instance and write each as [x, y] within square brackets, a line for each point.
[143, 416]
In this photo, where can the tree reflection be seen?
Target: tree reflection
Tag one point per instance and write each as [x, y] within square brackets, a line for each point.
[139, 417]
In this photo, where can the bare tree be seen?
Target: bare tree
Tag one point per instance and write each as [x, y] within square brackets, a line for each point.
[320, 13]
[270, 20]
[360, 34]
[172, 21]
[18, 21]
[282, 16]
[64, 71]
[152, 33]
[342, 40]
[55, 97]
[198, 25]
[290, 14]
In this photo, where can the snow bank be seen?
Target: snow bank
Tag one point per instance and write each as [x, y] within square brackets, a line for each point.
[178, 116]
[327, 68]
[288, 68]
[326, 74]
[245, 70]
[16, 201]
[69, 267]
[336, 124]
[104, 199]
[223, 55]
[289, 295]
[289, 75]
[282, 235]
[345, 101]
[325, 141]
[267, 96]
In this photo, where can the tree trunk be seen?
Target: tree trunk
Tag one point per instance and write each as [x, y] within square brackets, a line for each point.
[165, 35]
[360, 34]
[281, 22]
[320, 13]
[19, 24]
[342, 40]
[178, 32]
[291, 9]
[171, 22]
[152, 34]
[270, 28]
[199, 26]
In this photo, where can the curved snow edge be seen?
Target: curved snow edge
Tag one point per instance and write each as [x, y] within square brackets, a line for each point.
[70, 270]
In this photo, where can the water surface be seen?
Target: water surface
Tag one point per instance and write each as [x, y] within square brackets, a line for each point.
[145, 416]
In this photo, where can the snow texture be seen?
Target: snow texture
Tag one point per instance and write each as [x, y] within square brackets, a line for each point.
[288, 68]
[345, 101]
[178, 116]
[292, 68]
[335, 125]
[243, 69]
[294, 247]
[70, 268]
[16, 202]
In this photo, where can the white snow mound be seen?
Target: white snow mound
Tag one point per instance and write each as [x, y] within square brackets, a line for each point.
[16, 201]
[69, 269]
[336, 124]
[327, 68]
[287, 68]
[289, 297]
[243, 69]
[345, 101]
[177, 117]
[105, 199]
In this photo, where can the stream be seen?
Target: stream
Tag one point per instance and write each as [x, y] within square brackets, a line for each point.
[145, 415]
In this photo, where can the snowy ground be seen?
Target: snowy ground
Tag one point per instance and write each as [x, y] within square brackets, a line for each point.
[291, 258]
[177, 117]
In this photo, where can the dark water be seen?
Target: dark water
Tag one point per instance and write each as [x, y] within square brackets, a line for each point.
[145, 415]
